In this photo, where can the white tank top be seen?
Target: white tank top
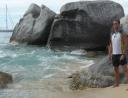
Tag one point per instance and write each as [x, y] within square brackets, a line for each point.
[116, 43]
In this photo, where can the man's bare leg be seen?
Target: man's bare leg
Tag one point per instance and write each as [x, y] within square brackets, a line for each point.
[126, 72]
[117, 76]
[125, 67]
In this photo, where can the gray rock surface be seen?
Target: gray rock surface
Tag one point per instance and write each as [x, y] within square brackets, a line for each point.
[124, 24]
[99, 75]
[34, 27]
[84, 24]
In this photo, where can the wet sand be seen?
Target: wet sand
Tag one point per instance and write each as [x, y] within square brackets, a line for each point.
[110, 92]
[59, 88]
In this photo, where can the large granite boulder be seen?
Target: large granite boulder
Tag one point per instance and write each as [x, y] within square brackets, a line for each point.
[124, 24]
[102, 66]
[84, 24]
[5, 79]
[34, 27]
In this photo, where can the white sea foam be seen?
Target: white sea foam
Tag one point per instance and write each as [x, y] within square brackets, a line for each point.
[49, 76]
[14, 43]
[79, 52]
[2, 54]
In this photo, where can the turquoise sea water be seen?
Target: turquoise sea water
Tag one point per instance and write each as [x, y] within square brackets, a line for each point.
[30, 64]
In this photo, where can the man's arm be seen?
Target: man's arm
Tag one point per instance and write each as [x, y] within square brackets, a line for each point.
[124, 46]
[110, 50]
[124, 43]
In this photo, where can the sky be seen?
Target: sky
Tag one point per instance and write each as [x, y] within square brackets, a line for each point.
[17, 8]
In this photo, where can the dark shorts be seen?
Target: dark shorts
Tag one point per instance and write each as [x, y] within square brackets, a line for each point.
[116, 60]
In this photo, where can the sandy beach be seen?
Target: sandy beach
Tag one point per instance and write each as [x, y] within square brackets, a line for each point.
[110, 92]
[60, 89]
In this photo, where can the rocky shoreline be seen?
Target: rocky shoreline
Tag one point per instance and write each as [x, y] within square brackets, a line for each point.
[79, 25]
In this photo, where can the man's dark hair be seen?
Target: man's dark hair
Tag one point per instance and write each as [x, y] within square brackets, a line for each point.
[117, 20]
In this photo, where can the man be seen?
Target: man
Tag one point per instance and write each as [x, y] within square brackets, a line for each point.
[117, 51]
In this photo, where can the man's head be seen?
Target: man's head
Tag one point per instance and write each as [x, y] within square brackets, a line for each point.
[116, 25]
